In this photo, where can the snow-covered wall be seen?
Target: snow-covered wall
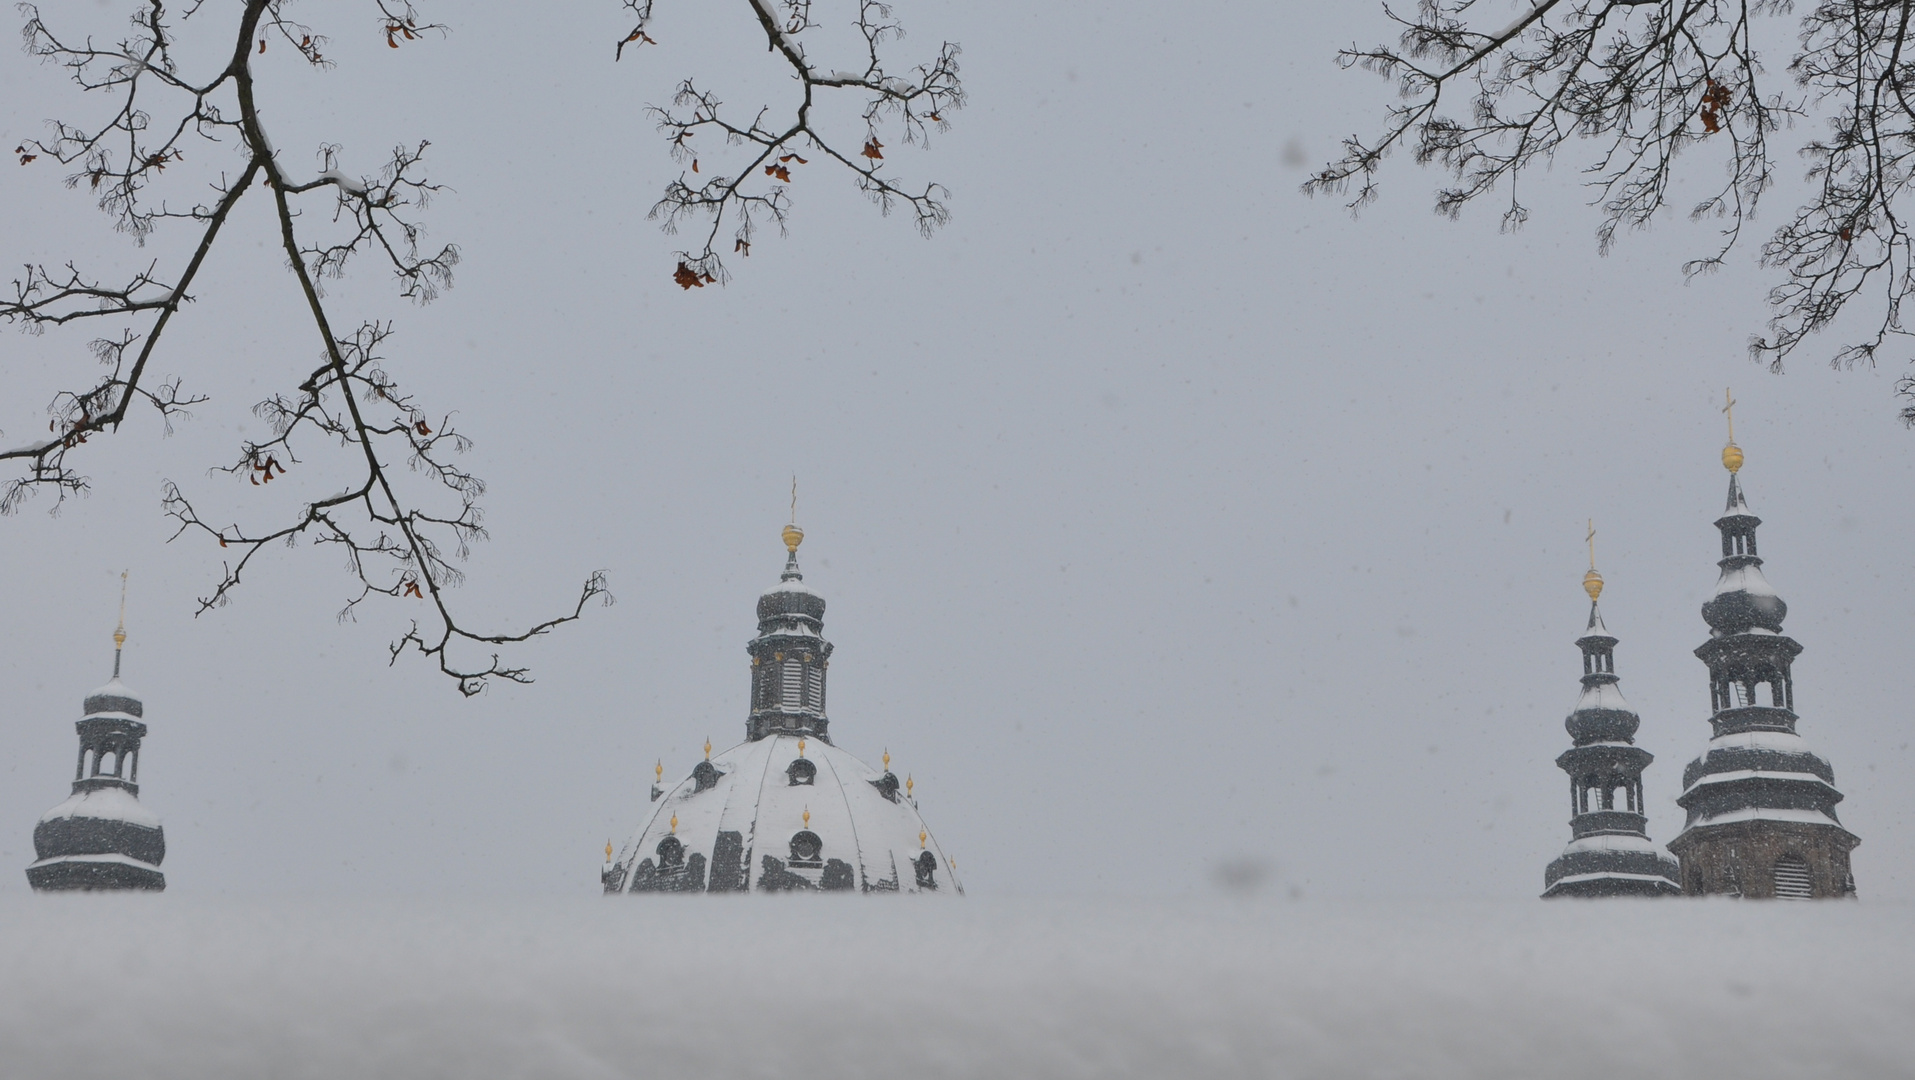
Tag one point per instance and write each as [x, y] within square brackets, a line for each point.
[121, 986]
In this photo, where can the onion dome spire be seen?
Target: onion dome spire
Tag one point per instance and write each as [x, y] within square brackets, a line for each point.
[1761, 804]
[1609, 852]
[789, 656]
[101, 837]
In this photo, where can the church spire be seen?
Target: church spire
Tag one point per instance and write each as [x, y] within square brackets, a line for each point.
[1761, 804]
[789, 656]
[1609, 852]
[101, 837]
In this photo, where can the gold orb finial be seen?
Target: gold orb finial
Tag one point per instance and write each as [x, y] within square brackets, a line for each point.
[793, 537]
[674, 824]
[801, 746]
[608, 851]
[807, 817]
[658, 771]
[907, 785]
[887, 759]
[707, 748]
[1592, 581]
[922, 837]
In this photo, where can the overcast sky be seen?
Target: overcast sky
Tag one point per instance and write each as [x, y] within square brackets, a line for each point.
[1167, 517]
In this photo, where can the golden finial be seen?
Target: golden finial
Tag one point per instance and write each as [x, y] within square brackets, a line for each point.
[887, 759]
[658, 772]
[807, 817]
[1592, 581]
[708, 748]
[119, 632]
[907, 785]
[1731, 454]
[608, 851]
[674, 824]
[793, 534]
[801, 746]
[922, 837]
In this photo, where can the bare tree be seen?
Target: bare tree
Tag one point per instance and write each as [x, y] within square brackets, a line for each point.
[769, 145]
[401, 529]
[1641, 81]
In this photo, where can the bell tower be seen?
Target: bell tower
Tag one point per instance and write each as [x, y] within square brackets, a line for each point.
[1761, 804]
[1609, 852]
[789, 657]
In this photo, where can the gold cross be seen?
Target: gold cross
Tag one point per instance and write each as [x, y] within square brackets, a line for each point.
[1592, 543]
[794, 498]
[1728, 410]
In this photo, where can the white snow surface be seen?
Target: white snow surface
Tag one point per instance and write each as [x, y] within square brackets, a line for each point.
[189, 988]
[107, 803]
[1614, 842]
[115, 688]
[755, 798]
[1785, 742]
[1746, 579]
[1602, 696]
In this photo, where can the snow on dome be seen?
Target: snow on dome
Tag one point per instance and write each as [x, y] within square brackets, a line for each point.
[114, 697]
[104, 804]
[758, 819]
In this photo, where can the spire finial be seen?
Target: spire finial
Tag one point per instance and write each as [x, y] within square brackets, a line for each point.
[793, 535]
[807, 817]
[801, 746]
[674, 824]
[887, 759]
[1731, 454]
[608, 851]
[922, 837]
[658, 772]
[119, 632]
[1592, 581]
[708, 748]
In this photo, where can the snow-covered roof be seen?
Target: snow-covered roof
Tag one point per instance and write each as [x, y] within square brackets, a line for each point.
[754, 797]
[115, 698]
[1602, 695]
[1767, 813]
[1781, 742]
[105, 857]
[1755, 774]
[1614, 842]
[105, 804]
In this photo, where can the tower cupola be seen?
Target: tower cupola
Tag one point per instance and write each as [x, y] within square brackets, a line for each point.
[1609, 852]
[102, 837]
[1761, 804]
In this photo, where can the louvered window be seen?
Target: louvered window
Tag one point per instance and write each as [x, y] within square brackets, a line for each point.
[1792, 878]
[815, 688]
[794, 685]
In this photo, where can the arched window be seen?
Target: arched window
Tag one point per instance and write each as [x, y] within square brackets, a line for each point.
[1792, 878]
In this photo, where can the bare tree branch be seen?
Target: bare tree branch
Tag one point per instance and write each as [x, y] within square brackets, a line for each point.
[768, 154]
[1640, 81]
[398, 543]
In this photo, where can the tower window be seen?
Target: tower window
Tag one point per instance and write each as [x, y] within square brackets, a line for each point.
[794, 674]
[1792, 878]
[801, 772]
[815, 688]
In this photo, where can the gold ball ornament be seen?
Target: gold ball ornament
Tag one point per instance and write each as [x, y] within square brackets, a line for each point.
[1592, 584]
[1732, 458]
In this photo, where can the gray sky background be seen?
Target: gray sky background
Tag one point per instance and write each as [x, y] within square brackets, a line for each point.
[1166, 516]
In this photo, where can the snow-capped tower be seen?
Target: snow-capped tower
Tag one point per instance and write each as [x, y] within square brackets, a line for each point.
[101, 837]
[785, 810]
[1761, 804]
[1609, 852]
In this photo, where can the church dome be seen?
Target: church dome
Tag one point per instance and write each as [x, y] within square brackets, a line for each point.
[785, 810]
[114, 697]
[769, 816]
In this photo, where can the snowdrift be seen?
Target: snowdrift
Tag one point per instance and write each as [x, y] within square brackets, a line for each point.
[797, 986]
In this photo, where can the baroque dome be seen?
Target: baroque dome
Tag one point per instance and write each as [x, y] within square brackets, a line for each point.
[785, 810]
